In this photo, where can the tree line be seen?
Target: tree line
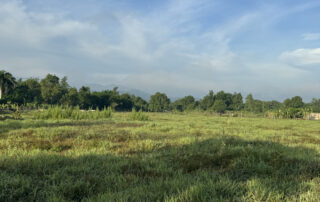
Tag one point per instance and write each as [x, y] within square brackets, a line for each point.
[55, 91]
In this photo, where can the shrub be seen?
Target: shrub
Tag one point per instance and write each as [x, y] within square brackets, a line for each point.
[59, 112]
[138, 116]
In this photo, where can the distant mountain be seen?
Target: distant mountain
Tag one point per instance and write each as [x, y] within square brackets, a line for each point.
[121, 89]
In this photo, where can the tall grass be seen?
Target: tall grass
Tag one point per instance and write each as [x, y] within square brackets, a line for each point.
[138, 116]
[59, 112]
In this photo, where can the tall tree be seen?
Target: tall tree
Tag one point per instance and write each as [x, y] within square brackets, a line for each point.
[208, 101]
[7, 82]
[140, 104]
[237, 102]
[125, 102]
[224, 97]
[71, 98]
[219, 106]
[186, 103]
[159, 102]
[34, 90]
[254, 105]
[294, 102]
[85, 97]
[315, 105]
[249, 105]
[51, 89]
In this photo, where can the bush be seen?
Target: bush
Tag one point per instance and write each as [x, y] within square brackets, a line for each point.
[59, 112]
[138, 116]
[292, 113]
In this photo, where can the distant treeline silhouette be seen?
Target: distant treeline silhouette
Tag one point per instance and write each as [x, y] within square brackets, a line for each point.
[52, 90]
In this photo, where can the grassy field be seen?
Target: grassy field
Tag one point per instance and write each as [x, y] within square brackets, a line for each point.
[170, 157]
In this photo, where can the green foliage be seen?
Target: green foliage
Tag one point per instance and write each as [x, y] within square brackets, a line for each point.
[315, 105]
[253, 105]
[7, 82]
[138, 115]
[140, 104]
[219, 106]
[71, 98]
[295, 102]
[28, 91]
[125, 102]
[58, 113]
[30, 94]
[208, 101]
[237, 102]
[51, 89]
[187, 103]
[17, 114]
[292, 113]
[85, 97]
[159, 102]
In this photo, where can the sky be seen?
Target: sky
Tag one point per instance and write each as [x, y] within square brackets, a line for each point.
[269, 48]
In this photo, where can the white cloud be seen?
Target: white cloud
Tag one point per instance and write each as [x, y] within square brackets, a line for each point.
[167, 50]
[34, 29]
[302, 57]
[311, 36]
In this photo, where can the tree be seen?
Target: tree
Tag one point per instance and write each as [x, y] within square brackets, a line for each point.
[237, 102]
[34, 90]
[28, 91]
[272, 105]
[140, 104]
[125, 102]
[20, 94]
[159, 102]
[225, 97]
[71, 98]
[51, 90]
[85, 97]
[7, 83]
[253, 105]
[64, 86]
[208, 101]
[249, 105]
[219, 106]
[294, 102]
[315, 105]
[186, 103]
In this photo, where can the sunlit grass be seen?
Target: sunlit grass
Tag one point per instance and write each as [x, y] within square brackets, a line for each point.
[170, 157]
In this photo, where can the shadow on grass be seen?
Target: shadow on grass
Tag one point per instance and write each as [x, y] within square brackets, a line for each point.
[222, 169]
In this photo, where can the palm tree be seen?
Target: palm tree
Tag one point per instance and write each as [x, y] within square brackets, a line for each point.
[7, 82]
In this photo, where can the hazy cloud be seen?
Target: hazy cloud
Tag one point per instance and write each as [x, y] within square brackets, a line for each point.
[302, 57]
[178, 47]
[311, 36]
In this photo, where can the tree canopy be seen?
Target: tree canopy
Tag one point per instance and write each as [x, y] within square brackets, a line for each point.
[55, 91]
[7, 82]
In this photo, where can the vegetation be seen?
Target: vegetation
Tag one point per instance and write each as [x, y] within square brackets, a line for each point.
[58, 112]
[138, 116]
[174, 157]
[52, 90]
[55, 147]
[7, 82]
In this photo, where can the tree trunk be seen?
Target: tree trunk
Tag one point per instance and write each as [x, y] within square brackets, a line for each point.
[0, 93]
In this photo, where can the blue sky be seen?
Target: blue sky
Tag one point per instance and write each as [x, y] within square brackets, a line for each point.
[269, 48]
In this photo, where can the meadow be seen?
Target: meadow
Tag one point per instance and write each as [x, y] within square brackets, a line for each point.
[159, 157]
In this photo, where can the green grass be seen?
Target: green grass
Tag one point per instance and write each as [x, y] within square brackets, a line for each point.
[171, 157]
[58, 113]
